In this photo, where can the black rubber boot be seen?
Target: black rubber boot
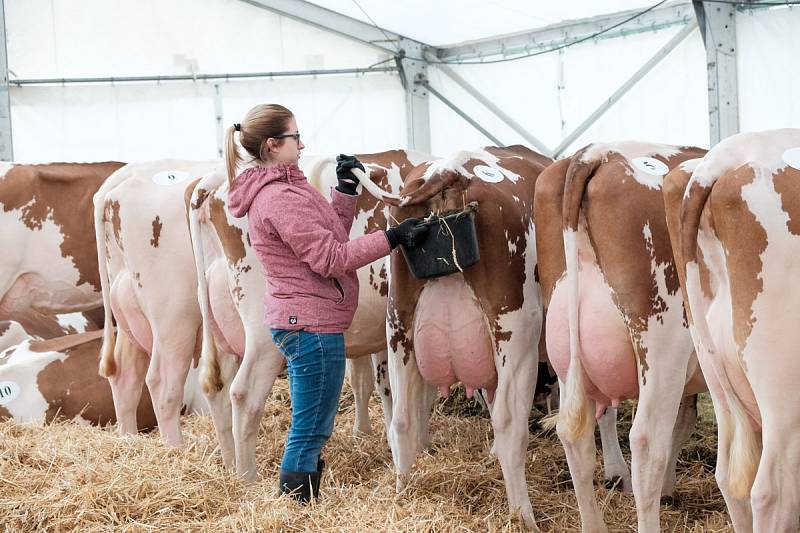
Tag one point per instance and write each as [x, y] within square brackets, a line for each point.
[302, 485]
[298, 484]
[315, 481]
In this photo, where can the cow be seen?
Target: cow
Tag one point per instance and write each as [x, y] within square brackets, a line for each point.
[615, 326]
[231, 290]
[480, 326]
[11, 334]
[49, 262]
[148, 281]
[44, 380]
[737, 218]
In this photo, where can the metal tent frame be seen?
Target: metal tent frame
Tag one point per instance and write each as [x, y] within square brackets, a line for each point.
[412, 59]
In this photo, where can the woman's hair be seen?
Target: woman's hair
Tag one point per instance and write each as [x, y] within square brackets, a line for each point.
[259, 124]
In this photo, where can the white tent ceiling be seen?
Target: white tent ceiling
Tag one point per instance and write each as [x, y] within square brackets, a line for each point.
[448, 22]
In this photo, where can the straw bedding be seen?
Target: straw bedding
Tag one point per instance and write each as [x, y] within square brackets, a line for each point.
[68, 477]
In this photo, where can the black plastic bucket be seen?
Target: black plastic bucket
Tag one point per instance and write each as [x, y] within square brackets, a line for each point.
[451, 245]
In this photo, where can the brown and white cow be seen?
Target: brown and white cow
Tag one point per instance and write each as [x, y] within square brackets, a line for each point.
[57, 378]
[148, 278]
[42, 380]
[11, 334]
[231, 294]
[49, 260]
[739, 227]
[615, 325]
[480, 327]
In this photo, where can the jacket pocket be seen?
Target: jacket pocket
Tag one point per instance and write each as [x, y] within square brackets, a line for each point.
[340, 294]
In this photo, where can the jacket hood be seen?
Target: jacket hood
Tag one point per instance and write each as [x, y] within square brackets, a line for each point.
[249, 183]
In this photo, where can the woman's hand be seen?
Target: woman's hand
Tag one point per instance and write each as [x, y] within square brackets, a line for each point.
[344, 173]
[410, 233]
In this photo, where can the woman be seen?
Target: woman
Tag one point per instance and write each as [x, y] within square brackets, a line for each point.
[302, 240]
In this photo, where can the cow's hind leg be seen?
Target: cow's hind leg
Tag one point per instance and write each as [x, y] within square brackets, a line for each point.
[775, 495]
[412, 399]
[615, 468]
[173, 348]
[651, 434]
[359, 375]
[581, 460]
[380, 363]
[516, 382]
[684, 425]
[261, 364]
[219, 404]
[128, 381]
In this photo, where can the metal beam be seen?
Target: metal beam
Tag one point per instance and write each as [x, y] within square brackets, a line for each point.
[414, 77]
[220, 128]
[488, 104]
[6, 144]
[567, 32]
[719, 36]
[309, 13]
[625, 87]
[203, 77]
[463, 115]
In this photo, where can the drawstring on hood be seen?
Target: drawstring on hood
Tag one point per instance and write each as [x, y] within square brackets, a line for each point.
[247, 185]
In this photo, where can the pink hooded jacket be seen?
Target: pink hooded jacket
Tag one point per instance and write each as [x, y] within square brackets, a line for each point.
[303, 243]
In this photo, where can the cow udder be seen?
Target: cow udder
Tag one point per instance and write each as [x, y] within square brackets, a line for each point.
[452, 341]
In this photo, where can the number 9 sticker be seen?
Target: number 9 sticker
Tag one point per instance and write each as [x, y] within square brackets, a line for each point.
[9, 391]
[170, 177]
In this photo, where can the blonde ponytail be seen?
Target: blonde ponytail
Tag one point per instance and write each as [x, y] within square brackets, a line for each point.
[232, 156]
[259, 124]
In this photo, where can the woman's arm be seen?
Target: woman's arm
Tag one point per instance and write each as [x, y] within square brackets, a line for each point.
[315, 244]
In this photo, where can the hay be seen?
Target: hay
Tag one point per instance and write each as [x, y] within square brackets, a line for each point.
[68, 477]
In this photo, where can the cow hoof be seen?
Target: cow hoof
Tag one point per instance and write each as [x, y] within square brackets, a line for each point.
[670, 501]
[615, 483]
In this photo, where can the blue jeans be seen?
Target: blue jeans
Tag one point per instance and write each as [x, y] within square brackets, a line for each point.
[316, 363]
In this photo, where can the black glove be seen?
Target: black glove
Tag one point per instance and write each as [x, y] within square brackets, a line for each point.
[409, 233]
[344, 173]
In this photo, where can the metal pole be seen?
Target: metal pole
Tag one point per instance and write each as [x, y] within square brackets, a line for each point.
[619, 93]
[414, 77]
[6, 141]
[203, 77]
[218, 118]
[463, 115]
[488, 104]
[719, 37]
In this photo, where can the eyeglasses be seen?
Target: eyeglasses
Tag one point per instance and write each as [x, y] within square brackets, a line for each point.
[295, 136]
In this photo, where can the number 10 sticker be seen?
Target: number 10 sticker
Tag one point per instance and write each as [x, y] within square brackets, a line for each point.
[9, 391]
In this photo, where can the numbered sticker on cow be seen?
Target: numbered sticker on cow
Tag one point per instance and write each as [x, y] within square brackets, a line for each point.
[170, 177]
[9, 391]
[650, 165]
[792, 157]
[492, 175]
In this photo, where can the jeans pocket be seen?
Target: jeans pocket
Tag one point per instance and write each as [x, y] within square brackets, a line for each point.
[287, 341]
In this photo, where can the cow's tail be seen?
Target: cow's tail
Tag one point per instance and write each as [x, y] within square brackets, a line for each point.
[745, 450]
[108, 366]
[210, 373]
[314, 175]
[574, 416]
